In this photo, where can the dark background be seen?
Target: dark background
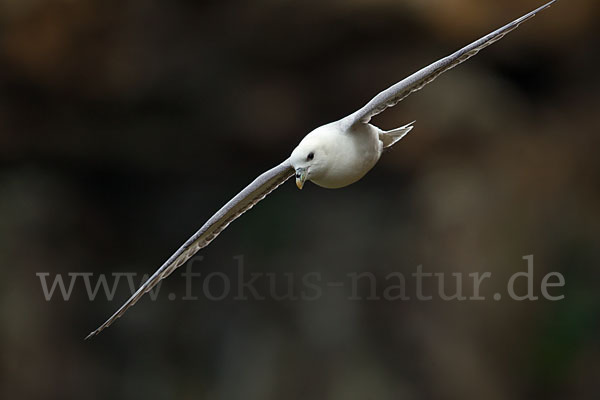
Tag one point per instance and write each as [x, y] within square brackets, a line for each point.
[125, 124]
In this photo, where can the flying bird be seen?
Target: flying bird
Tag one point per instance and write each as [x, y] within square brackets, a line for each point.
[332, 156]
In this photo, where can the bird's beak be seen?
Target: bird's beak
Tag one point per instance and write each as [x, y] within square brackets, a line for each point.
[300, 177]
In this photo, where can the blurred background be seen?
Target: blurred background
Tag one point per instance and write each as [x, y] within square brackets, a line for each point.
[125, 124]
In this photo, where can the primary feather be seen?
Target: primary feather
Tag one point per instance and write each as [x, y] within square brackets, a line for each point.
[396, 93]
[242, 202]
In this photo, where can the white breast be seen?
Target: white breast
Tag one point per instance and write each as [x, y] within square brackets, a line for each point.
[350, 155]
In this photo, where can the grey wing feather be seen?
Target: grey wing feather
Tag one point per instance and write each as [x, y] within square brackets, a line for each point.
[391, 96]
[242, 202]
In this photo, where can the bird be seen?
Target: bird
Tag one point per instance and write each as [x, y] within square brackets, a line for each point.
[332, 156]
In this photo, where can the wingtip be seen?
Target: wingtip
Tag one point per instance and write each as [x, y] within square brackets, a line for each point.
[548, 4]
[535, 12]
[91, 335]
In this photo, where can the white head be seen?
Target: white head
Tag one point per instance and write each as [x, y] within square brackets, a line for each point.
[309, 158]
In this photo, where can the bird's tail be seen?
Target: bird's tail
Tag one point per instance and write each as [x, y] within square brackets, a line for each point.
[389, 138]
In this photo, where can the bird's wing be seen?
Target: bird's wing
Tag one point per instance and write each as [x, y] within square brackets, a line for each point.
[391, 96]
[242, 202]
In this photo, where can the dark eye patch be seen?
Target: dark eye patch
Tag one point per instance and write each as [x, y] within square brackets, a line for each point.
[310, 156]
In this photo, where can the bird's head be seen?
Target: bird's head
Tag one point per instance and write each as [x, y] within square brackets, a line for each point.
[308, 159]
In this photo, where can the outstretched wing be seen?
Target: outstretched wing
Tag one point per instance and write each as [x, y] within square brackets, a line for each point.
[391, 96]
[242, 202]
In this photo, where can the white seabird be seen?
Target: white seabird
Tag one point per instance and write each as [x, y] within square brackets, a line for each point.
[332, 156]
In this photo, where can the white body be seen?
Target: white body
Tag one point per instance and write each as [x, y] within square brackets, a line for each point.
[340, 157]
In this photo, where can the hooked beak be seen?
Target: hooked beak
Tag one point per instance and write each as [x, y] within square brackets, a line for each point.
[301, 177]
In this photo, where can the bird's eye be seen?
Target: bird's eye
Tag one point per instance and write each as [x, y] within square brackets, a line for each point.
[310, 156]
